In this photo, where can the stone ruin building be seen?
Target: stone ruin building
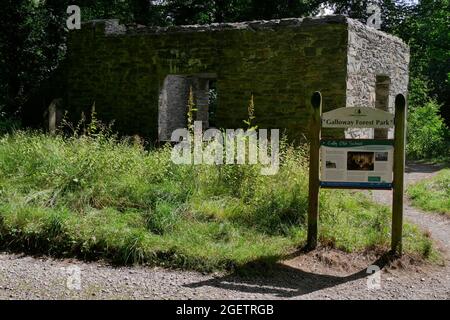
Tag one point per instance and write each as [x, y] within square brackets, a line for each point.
[140, 77]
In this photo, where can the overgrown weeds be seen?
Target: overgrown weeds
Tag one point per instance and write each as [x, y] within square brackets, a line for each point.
[97, 196]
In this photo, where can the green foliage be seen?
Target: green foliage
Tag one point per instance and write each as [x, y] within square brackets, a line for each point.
[251, 115]
[8, 125]
[93, 196]
[419, 93]
[191, 111]
[128, 11]
[432, 194]
[427, 132]
[24, 52]
[202, 12]
[163, 218]
[425, 30]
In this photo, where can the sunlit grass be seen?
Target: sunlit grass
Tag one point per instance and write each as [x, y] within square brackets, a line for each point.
[432, 194]
[97, 197]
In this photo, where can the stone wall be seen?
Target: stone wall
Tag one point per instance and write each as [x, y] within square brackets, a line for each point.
[124, 70]
[372, 54]
[280, 62]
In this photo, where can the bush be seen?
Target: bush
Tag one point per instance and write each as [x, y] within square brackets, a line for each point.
[432, 194]
[8, 125]
[427, 132]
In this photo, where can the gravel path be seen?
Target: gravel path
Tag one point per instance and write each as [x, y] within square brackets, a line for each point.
[309, 276]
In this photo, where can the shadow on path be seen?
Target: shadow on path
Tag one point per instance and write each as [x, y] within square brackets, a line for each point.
[419, 167]
[284, 281]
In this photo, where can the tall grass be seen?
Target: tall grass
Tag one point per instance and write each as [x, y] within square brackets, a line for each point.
[100, 197]
[432, 194]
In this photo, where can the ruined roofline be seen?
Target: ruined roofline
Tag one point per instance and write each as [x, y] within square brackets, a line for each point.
[253, 25]
[355, 24]
[112, 27]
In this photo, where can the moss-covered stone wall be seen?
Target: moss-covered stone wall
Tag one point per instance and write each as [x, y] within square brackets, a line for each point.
[282, 62]
[122, 70]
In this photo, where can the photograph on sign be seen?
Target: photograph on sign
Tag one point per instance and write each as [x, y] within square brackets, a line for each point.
[357, 161]
[360, 161]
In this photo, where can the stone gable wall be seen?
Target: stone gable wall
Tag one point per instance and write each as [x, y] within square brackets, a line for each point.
[372, 53]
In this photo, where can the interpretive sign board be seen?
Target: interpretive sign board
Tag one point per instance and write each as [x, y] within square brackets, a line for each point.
[357, 163]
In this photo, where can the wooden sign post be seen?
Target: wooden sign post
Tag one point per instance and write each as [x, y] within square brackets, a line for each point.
[357, 163]
[314, 183]
[399, 169]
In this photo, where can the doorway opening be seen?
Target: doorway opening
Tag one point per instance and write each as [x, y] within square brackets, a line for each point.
[173, 101]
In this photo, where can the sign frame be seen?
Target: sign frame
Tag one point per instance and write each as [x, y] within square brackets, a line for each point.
[352, 144]
[399, 141]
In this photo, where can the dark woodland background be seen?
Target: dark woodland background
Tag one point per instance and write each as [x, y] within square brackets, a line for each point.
[33, 35]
